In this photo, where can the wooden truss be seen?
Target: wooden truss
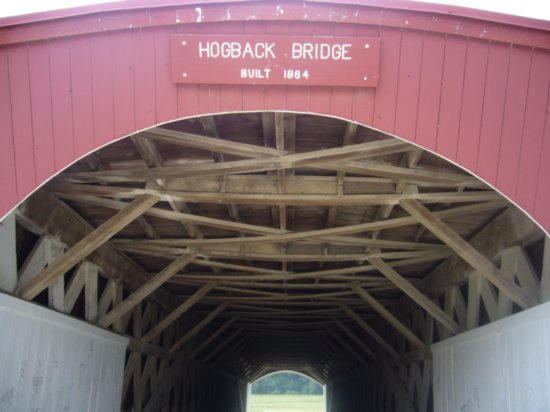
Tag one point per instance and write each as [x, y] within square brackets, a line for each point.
[261, 241]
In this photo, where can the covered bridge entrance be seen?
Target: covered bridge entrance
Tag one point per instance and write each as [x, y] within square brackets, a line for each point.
[223, 231]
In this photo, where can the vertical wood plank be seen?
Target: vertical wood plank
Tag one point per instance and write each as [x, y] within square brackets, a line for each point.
[493, 111]
[166, 99]
[433, 55]
[39, 73]
[542, 202]
[409, 84]
[386, 93]
[472, 103]
[90, 292]
[275, 96]
[533, 131]
[341, 102]
[102, 93]
[7, 146]
[545, 277]
[363, 98]
[451, 96]
[514, 116]
[123, 83]
[81, 86]
[253, 96]
[143, 43]
[297, 98]
[231, 96]
[22, 120]
[62, 106]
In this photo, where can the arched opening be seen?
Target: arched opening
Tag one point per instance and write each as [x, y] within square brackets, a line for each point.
[286, 391]
[225, 245]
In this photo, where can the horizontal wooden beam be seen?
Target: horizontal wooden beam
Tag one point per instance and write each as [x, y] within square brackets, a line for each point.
[338, 274]
[420, 176]
[294, 184]
[276, 199]
[467, 252]
[220, 253]
[86, 246]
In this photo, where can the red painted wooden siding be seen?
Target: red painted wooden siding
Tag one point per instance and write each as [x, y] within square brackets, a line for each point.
[474, 91]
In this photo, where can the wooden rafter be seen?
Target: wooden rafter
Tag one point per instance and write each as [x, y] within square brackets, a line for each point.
[285, 242]
[213, 336]
[310, 159]
[386, 314]
[370, 331]
[415, 295]
[198, 327]
[462, 248]
[180, 310]
[281, 199]
[140, 294]
[86, 246]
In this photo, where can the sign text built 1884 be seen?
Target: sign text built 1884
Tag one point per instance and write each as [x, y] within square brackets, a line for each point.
[275, 60]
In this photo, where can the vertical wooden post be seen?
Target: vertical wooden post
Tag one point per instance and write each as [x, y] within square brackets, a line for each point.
[8, 263]
[545, 280]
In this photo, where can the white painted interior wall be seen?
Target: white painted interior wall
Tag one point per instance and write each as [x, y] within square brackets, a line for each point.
[501, 367]
[52, 362]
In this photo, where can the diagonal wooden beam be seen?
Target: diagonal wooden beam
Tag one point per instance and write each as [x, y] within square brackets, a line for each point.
[213, 336]
[386, 314]
[180, 310]
[467, 252]
[171, 215]
[149, 152]
[44, 214]
[309, 159]
[409, 160]
[210, 143]
[223, 344]
[149, 287]
[347, 347]
[357, 340]
[385, 345]
[198, 327]
[86, 246]
[415, 295]
[509, 228]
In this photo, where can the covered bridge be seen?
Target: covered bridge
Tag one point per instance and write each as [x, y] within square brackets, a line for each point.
[206, 192]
